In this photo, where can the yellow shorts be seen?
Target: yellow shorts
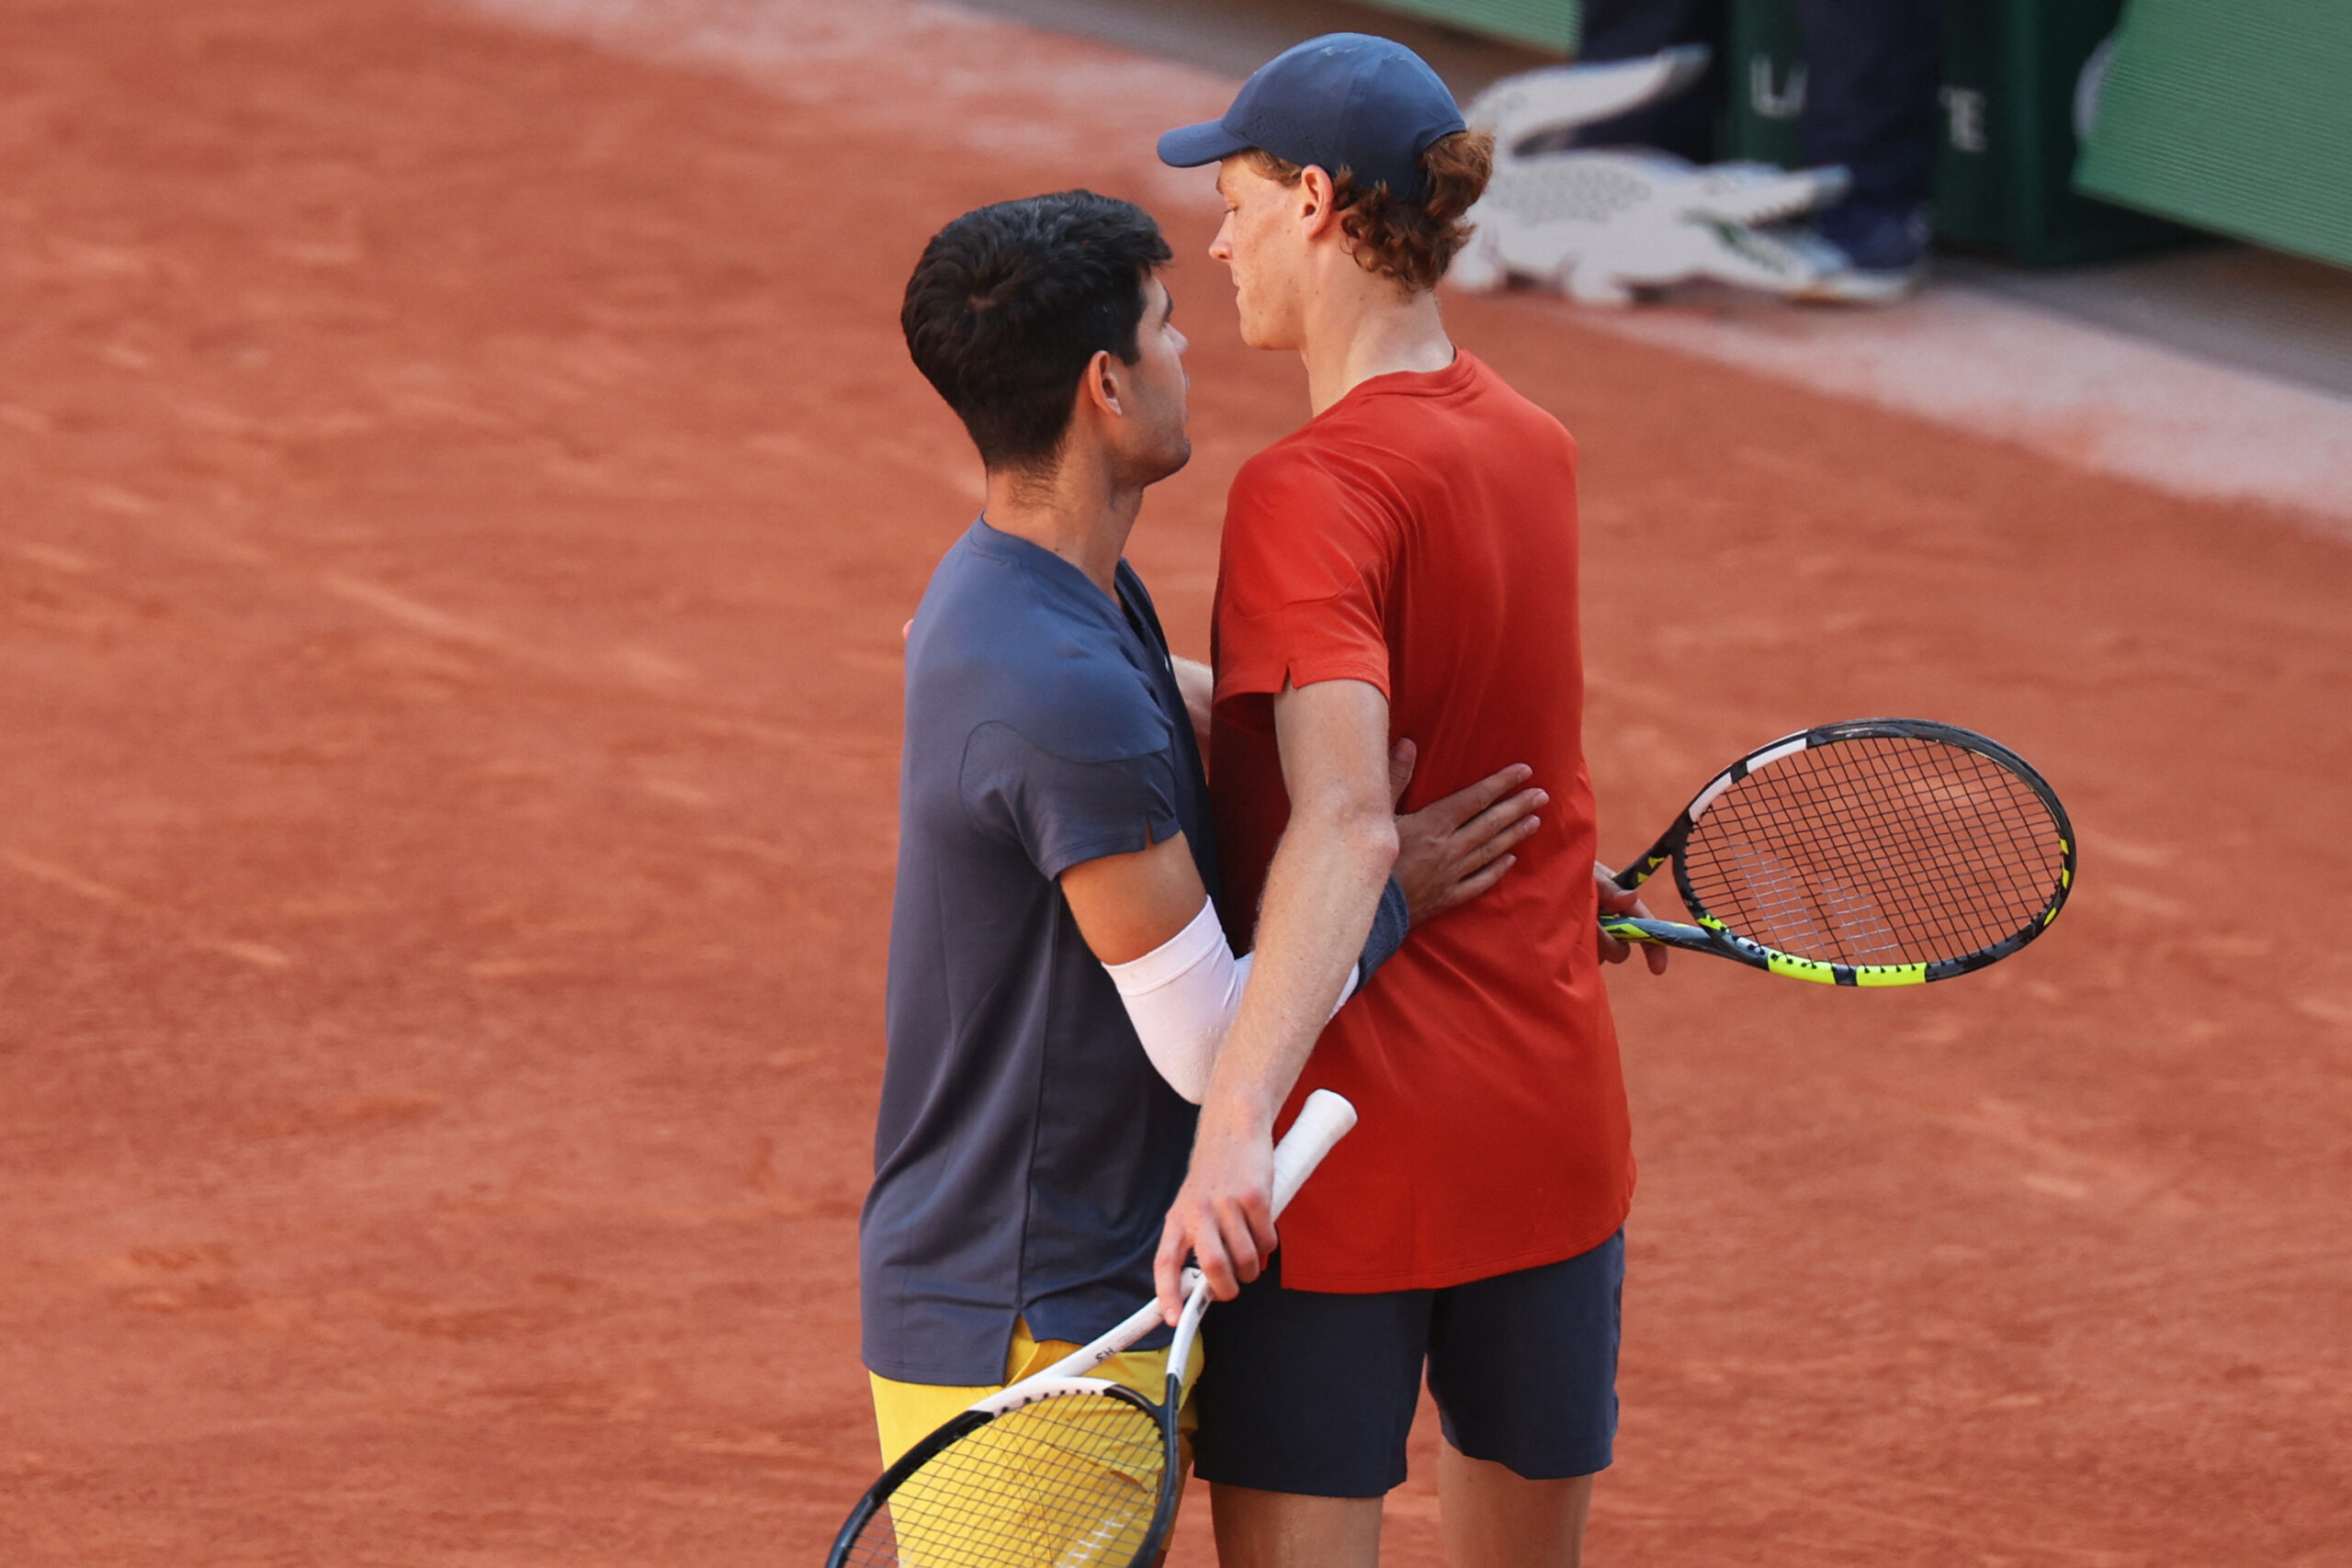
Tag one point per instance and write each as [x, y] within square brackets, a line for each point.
[963, 1526]
[907, 1412]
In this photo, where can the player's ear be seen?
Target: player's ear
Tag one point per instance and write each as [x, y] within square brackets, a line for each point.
[1315, 195]
[1100, 386]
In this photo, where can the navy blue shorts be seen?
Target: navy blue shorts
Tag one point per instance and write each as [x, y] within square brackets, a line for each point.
[1313, 1392]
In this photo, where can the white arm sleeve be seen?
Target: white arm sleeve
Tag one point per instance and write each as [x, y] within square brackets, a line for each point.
[1183, 997]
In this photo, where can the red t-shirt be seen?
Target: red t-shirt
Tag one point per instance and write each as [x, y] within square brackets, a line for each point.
[1420, 535]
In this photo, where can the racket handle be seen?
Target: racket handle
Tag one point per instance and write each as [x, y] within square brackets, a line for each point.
[1322, 1121]
[1659, 933]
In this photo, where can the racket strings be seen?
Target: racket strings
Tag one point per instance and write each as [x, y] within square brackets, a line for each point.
[1071, 1482]
[1881, 843]
[1836, 898]
[1877, 849]
[1839, 903]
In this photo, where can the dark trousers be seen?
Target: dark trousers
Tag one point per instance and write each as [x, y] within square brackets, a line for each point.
[1871, 71]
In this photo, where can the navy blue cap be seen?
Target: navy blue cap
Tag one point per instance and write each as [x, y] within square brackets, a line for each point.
[1342, 101]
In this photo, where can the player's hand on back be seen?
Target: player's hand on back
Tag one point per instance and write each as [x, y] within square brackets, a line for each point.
[1616, 900]
[1453, 849]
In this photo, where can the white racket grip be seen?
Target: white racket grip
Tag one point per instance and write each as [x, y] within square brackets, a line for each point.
[1092, 1354]
[1322, 1121]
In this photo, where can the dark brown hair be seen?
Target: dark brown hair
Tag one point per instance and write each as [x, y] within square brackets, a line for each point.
[1411, 243]
[1011, 303]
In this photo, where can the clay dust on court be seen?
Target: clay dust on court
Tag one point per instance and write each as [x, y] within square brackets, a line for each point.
[459, 489]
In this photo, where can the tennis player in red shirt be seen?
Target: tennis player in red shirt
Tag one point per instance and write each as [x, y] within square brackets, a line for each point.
[1403, 564]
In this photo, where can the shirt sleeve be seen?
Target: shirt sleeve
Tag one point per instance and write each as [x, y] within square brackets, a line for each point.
[1064, 811]
[1304, 577]
[1392, 919]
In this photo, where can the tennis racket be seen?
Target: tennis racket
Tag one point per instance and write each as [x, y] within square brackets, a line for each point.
[1061, 1469]
[1884, 851]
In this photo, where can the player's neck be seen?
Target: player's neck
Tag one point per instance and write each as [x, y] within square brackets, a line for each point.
[1082, 510]
[1360, 326]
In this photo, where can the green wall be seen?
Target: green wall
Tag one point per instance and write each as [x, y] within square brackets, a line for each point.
[2235, 117]
[1546, 24]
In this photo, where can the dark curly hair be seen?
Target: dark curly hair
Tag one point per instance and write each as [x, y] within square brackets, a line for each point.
[1412, 243]
[1011, 302]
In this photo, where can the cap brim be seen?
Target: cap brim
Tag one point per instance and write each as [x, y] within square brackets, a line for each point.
[1190, 146]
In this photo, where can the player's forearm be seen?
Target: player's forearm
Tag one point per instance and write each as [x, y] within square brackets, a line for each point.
[1321, 891]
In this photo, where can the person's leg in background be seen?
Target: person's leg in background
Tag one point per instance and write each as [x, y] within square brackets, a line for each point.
[1635, 29]
[1288, 1529]
[1872, 67]
[1495, 1517]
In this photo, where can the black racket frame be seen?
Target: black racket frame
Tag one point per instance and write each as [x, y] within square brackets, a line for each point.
[1710, 935]
[1163, 1518]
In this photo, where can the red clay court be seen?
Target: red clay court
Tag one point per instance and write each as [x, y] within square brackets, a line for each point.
[459, 489]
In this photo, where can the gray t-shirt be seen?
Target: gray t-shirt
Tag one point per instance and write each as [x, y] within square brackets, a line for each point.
[1026, 1151]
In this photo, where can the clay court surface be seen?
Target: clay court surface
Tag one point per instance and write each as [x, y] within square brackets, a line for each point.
[459, 489]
